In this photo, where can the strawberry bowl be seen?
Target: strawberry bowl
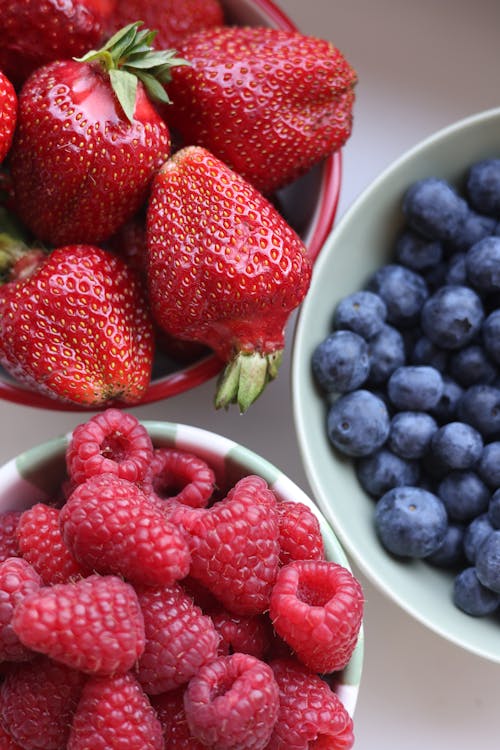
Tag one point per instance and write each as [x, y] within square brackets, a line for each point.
[435, 591]
[33, 480]
[308, 204]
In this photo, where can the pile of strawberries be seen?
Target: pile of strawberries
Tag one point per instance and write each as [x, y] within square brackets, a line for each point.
[139, 173]
[149, 609]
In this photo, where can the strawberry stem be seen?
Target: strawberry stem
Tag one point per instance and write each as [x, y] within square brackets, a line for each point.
[245, 377]
[128, 56]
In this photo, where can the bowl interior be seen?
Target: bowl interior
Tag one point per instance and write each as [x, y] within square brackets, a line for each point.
[361, 242]
[309, 205]
[35, 476]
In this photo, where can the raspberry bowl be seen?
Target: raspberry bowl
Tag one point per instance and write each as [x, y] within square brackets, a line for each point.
[31, 481]
[365, 241]
[309, 205]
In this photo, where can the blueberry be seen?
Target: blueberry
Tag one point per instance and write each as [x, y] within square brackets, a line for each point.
[383, 470]
[410, 434]
[425, 352]
[434, 208]
[475, 534]
[494, 510]
[341, 363]
[403, 291]
[387, 353]
[471, 596]
[491, 335]
[452, 316]
[489, 465]
[457, 445]
[464, 495]
[471, 365]
[362, 312]
[483, 186]
[415, 387]
[479, 406]
[410, 521]
[482, 264]
[446, 408]
[358, 423]
[417, 252]
[488, 562]
[435, 276]
[475, 228]
[456, 273]
[451, 552]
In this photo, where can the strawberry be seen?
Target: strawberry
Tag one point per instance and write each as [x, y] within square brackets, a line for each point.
[36, 32]
[8, 114]
[268, 102]
[89, 139]
[224, 269]
[73, 325]
[172, 19]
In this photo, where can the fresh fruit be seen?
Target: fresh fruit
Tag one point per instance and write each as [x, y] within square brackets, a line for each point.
[9, 546]
[162, 665]
[94, 625]
[8, 115]
[316, 607]
[75, 327]
[435, 368]
[113, 442]
[268, 102]
[232, 703]
[89, 139]
[224, 269]
[69, 29]
[114, 712]
[179, 476]
[172, 19]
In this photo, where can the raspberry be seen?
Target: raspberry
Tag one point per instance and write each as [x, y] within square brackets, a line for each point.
[179, 639]
[234, 546]
[114, 712]
[6, 741]
[169, 708]
[181, 476]
[247, 635]
[94, 625]
[8, 537]
[37, 703]
[317, 607]
[41, 544]
[300, 533]
[232, 703]
[112, 442]
[310, 714]
[17, 580]
[110, 526]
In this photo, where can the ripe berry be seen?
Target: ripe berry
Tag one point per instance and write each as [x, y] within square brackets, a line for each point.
[8, 536]
[180, 476]
[300, 533]
[94, 625]
[358, 423]
[246, 635]
[171, 714]
[17, 580]
[112, 442]
[232, 703]
[317, 607]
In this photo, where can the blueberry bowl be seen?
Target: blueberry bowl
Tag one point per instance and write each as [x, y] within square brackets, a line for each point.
[35, 477]
[354, 259]
[309, 205]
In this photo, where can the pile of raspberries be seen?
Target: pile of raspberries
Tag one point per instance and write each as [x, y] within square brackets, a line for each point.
[146, 608]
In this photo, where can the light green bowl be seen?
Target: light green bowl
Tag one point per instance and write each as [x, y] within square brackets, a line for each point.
[361, 242]
[35, 476]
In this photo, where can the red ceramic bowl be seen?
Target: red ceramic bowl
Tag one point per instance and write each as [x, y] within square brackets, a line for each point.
[309, 205]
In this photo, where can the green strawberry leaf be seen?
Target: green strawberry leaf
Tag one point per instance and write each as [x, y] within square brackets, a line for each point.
[153, 87]
[125, 87]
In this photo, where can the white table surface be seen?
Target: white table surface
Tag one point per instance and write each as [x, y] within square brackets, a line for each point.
[421, 65]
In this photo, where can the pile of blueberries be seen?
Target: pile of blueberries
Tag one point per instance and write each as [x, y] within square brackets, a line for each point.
[411, 376]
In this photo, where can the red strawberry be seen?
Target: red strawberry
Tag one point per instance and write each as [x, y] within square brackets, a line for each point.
[8, 114]
[35, 32]
[174, 20]
[268, 102]
[76, 328]
[224, 269]
[89, 139]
